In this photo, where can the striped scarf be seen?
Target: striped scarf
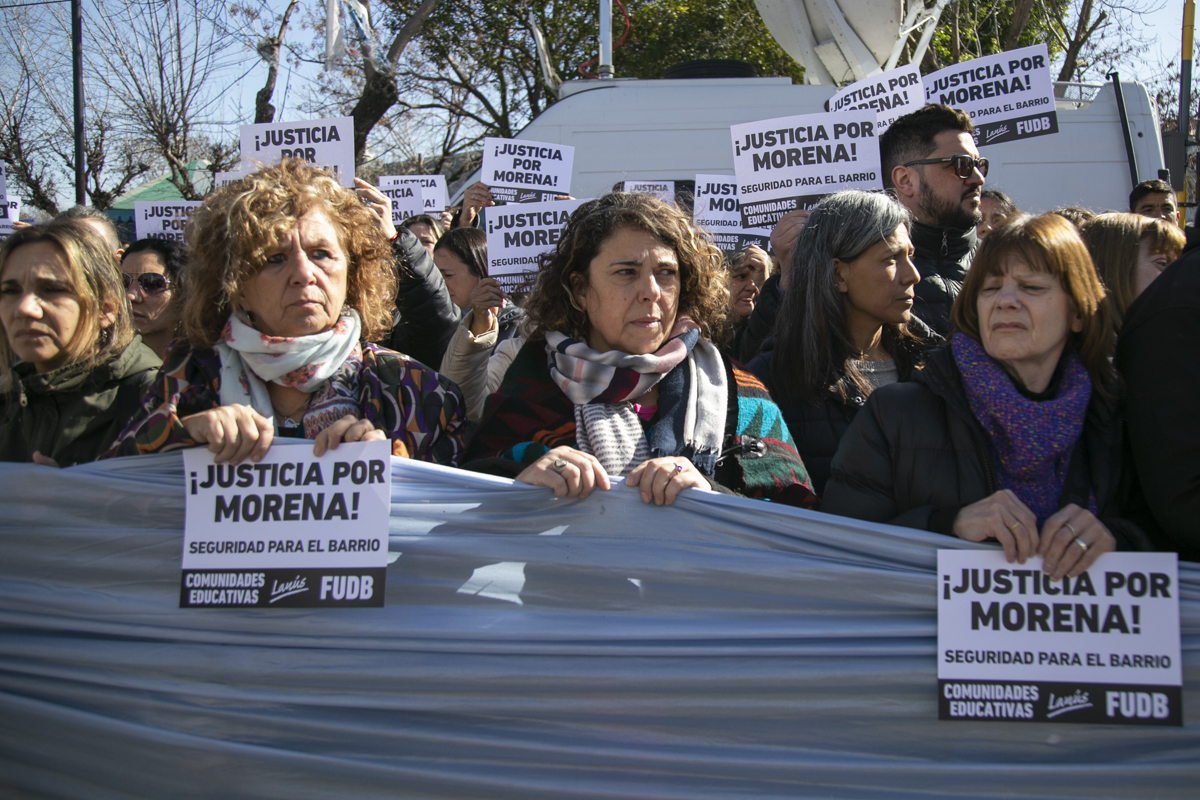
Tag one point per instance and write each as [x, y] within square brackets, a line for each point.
[693, 398]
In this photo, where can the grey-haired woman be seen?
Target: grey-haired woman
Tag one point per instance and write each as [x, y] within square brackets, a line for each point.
[846, 326]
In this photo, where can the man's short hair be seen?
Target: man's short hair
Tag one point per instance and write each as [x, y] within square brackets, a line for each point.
[1144, 188]
[87, 212]
[912, 136]
[172, 253]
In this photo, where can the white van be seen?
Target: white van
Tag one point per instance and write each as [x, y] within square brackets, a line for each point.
[629, 129]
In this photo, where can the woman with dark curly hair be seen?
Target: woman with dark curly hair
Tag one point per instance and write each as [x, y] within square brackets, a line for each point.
[289, 277]
[619, 377]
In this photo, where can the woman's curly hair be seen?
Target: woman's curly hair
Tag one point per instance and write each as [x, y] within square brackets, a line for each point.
[563, 273]
[232, 234]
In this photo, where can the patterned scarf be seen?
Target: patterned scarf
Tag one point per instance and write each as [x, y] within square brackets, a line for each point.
[250, 360]
[1030, 442]
[693, 398]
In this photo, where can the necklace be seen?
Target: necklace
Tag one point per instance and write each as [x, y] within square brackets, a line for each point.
[291, 414]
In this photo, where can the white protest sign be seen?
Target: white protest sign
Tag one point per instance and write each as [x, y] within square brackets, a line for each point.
[1008, 96]
[890, 94]
[716, 210]
[433, 189]
[166, 220]
[663, 190]
[6, 229]
[321, 142]
[531, 166]
[1100, 648]
[222, 178]
[518, 235]
[408, 200]
[4, 182]
[290, 530]
[12, 205]
[792, 162]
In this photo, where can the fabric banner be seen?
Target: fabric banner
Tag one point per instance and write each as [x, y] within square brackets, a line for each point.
[529, 648]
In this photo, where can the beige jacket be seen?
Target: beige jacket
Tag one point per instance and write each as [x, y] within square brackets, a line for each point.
[470, 363]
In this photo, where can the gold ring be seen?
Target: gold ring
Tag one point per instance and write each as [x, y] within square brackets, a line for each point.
[559, 465]
[678, 468]
[1071, 528]
[1013, 527]
[1081, 543]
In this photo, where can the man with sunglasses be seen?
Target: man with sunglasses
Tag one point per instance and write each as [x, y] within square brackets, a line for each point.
[150, 269]
[931, 163]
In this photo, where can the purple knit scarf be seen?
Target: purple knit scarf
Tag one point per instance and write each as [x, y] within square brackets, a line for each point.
[1030, 442]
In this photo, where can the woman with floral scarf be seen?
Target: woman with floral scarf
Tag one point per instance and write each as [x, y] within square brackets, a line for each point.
[619, 378]
[289, 278]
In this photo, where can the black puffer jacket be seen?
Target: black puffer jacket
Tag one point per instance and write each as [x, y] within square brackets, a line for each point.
[943, 256]
[818, 430]
[917, 455]
[425, 318]
[1156, 355]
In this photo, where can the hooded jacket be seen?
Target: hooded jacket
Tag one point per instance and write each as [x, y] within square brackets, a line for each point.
[425, 318]
[916, 455]
[73, 413]
[942, 256]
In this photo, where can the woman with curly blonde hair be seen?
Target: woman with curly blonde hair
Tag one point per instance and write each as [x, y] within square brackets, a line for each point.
[289, 278]
[619, 377]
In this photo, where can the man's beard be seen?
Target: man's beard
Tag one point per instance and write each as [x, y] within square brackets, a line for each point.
[945, 213]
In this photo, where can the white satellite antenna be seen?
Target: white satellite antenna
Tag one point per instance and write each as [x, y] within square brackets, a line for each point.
[842, 41]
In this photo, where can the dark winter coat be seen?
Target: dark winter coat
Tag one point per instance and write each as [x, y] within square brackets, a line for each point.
[818, 429]
[1157, 358]
[73, 414]
[761, 322]
[942, 256]
[916, 455]
[425, 318]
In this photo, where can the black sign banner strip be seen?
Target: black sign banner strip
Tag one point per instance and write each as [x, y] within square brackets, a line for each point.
[766, 213]
[342, 587]
[1010, 130]
[1040, 701]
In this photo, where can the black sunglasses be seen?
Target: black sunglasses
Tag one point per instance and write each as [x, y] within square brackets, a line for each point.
[151, 282]
[963, 164]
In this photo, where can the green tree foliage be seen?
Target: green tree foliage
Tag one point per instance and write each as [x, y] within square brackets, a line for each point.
[666, 32]
[974, 28]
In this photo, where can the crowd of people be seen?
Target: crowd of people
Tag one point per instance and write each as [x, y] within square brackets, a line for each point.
[927, 356]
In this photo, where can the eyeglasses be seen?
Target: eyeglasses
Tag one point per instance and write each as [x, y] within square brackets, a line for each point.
[150, 282]
[963, 164]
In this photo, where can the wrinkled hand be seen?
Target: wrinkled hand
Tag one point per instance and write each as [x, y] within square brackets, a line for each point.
[446, 217]
[379, 204]
[1004, 518]
[783, 242]
[578, 476]
[662, 479]
[45, 461]
[477, 196]
[231, 432]
[347, 429]
[484, 299]
[1060, 552]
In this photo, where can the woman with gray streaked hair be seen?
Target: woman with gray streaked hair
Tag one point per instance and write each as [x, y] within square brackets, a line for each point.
[846, 326]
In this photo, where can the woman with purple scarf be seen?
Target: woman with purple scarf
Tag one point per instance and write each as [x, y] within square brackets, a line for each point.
[1010, 433]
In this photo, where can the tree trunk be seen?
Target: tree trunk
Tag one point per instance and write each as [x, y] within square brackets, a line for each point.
[1020, 19]
[263, 110]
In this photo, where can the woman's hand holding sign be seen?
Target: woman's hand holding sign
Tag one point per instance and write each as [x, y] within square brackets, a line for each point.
[1072, 540]
[347, 429]
[232, 433]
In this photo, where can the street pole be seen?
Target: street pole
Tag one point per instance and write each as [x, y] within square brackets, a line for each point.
[1185, 94]
[77, 58]
[606, 63]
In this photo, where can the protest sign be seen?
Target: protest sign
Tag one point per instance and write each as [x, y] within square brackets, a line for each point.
[1008, 95]
[716, 210]
[663, 190]
[290, 530]
[514, 164]
[433, 189]
[12, 207]
[165, 220]
[1100, 648]
[517, 236]
[321, 142]
[890, 94]
[792, 162]
[408, 200]
[222, 178]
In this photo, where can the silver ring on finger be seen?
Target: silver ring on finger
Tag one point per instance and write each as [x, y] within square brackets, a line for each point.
[559, 465]
[1081, 543]
[1074, 532]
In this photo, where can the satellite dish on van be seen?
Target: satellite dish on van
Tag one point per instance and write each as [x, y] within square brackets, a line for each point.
[842, 41]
